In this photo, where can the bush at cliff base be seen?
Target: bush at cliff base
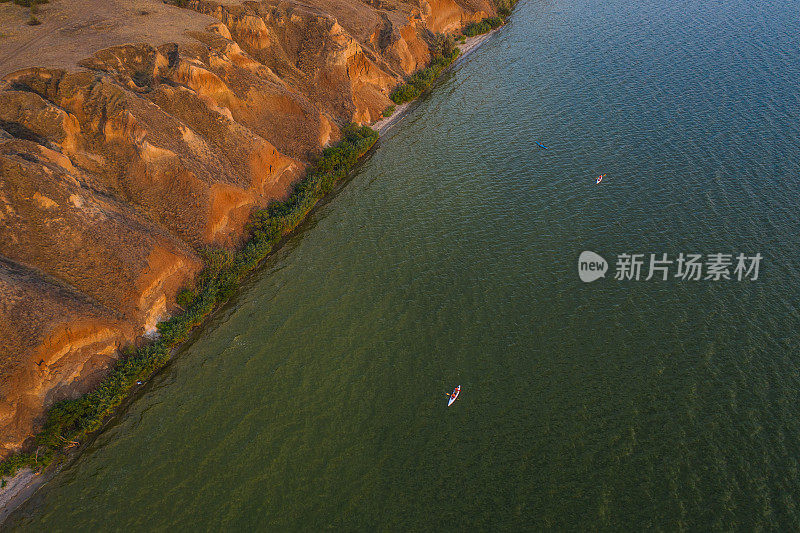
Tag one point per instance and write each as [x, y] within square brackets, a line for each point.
[485, 26]
[70, 420]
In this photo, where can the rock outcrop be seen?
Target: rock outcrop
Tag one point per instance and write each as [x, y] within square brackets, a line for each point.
[117, 170]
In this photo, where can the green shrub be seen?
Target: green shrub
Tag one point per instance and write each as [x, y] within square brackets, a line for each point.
[404, 93]
[443, 45]
[486, 25]
[185, 297]
[494, 22]
[389, 111]
[69, 421]
[476, 28]
[504, 7]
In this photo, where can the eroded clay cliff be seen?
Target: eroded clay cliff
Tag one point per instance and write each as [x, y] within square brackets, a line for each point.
[118, 166]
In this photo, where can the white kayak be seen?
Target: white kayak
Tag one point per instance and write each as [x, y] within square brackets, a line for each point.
[453, 396]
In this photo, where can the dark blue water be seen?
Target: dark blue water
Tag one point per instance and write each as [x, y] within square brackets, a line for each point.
[316, 399]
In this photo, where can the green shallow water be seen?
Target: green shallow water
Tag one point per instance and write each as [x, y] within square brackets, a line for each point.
[316, 398]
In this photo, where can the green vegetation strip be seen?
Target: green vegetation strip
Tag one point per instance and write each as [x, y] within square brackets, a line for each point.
[422, 80]
[71, 420]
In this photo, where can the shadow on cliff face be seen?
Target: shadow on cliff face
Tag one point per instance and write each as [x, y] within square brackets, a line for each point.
[15, 129]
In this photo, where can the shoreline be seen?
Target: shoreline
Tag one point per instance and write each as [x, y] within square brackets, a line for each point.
[470, 45]
[20, 487]
[26, 482]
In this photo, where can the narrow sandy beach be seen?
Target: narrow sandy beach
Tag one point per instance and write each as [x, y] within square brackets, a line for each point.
[18, 489]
